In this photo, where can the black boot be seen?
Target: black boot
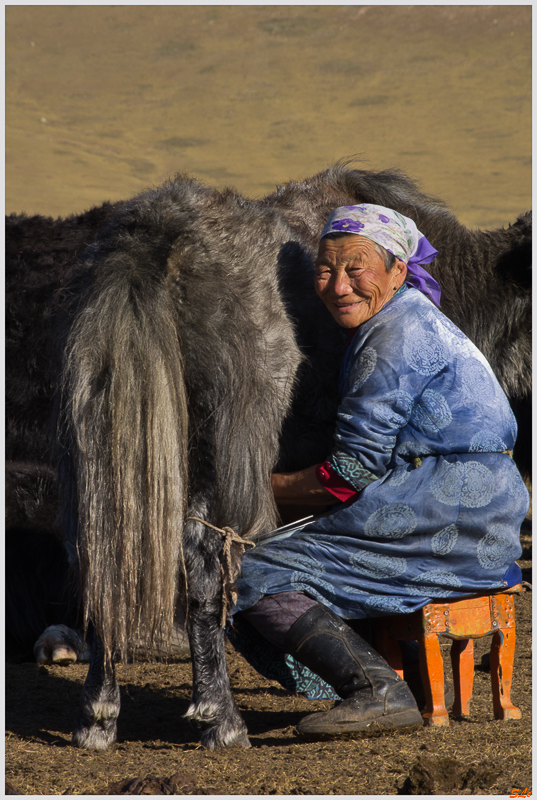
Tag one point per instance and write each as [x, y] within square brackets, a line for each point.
[375, 699]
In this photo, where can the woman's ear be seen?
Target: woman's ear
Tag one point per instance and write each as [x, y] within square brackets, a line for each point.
[399, 272]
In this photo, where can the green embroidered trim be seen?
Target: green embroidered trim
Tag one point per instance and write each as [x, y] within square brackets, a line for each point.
[277, 666]
[350, 469]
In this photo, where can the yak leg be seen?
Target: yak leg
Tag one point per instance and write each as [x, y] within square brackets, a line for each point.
[212, 706]
[96, 724]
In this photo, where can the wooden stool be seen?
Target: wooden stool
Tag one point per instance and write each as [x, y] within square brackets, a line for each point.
[463, 621]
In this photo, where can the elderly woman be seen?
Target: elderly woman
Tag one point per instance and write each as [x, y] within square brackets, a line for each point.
[429, 502]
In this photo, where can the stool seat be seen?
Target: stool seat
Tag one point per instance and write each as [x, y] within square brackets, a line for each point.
[461, 620]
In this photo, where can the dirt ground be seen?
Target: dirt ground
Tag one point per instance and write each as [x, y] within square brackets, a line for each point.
[104, 101]
[159, 753]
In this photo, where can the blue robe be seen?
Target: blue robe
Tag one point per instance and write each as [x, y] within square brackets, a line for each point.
[421, 433]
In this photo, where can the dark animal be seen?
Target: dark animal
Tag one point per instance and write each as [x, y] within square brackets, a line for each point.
[36, 568]
[190, 359]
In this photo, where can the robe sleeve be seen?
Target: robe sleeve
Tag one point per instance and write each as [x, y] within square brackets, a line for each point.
[374, 409]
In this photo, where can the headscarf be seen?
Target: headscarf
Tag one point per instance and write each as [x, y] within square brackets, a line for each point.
[396, 233]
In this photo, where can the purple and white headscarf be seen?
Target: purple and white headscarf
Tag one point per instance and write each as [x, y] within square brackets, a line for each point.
[396, 233]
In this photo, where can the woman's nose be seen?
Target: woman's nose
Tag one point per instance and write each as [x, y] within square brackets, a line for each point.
[340, 284]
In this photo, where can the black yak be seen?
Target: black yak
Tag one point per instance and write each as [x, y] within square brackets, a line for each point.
[190, 357]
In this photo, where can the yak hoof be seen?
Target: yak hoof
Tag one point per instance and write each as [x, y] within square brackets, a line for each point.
[241, 741]
[95, 737]
[96, 726]
[215, 739]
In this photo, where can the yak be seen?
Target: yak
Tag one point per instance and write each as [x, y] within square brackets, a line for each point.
[166, 354]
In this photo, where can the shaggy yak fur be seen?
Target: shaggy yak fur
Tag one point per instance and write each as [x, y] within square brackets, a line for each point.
[189, 357]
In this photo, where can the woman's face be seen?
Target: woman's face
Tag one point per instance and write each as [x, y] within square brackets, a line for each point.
[351, 279]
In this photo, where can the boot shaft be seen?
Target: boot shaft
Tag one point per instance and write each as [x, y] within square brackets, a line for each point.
[327, 645]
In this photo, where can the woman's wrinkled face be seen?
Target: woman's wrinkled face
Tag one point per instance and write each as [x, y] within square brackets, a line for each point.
[352, 281]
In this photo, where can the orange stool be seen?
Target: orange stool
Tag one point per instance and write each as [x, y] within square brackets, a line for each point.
[462, 621]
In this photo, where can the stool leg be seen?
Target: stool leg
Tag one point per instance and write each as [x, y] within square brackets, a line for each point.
[502, 657]
[389, 649]
[432, 676]
[462, 663]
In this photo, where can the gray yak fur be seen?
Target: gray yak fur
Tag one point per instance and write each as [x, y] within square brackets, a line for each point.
[194, 360]
[179, 363]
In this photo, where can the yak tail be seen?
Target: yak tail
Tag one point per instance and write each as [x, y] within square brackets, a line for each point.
[124, 423]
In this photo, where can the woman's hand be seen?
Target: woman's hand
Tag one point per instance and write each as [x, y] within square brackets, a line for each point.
[302, 487]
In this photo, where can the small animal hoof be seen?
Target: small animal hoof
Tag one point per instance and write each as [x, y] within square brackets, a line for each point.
[63, 656]
[60, 645]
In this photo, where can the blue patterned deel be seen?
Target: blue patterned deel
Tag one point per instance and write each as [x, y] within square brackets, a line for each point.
[422, 430]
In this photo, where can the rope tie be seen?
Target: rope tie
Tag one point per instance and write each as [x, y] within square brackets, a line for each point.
[230, 537]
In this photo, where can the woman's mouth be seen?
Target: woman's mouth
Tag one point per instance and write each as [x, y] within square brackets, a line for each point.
[347, 306]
